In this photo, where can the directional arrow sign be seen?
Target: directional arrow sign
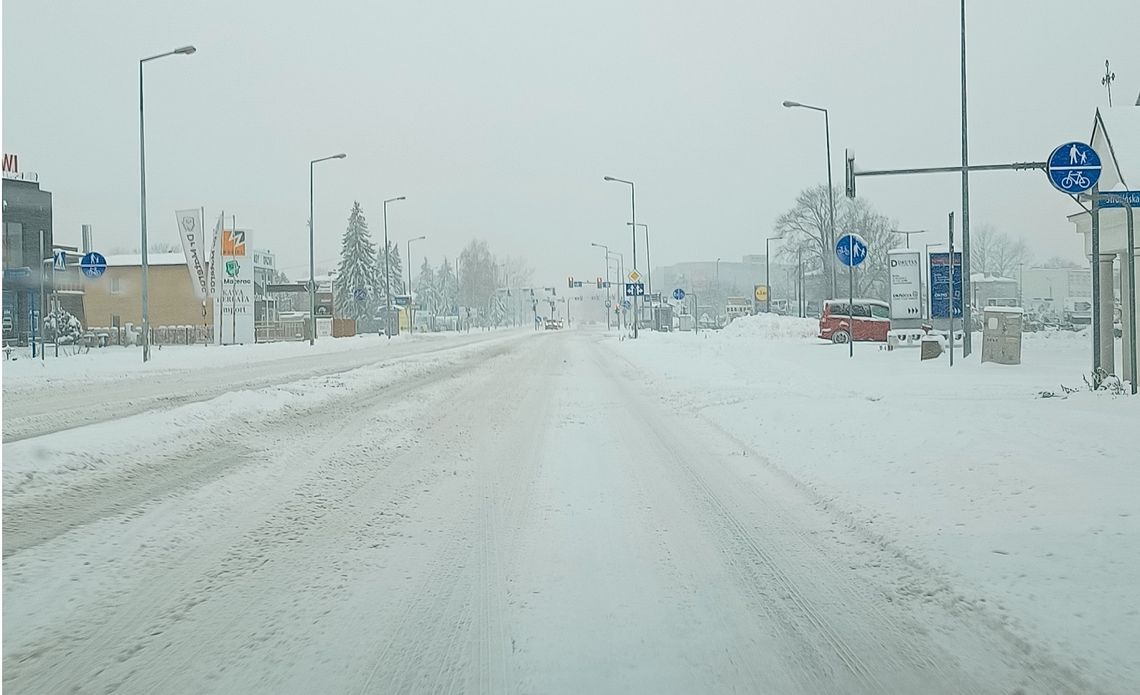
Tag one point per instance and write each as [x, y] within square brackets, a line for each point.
[678, 294]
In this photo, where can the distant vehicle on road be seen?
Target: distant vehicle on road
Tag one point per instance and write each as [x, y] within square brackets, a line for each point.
[553, 324]
[1077, 312]
[865, 319]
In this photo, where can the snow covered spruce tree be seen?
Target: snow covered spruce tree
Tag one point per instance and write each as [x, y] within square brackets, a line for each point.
[356, 290]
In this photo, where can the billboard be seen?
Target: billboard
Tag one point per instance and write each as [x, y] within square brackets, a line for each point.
[940, 285]
[233, 306]
[905, 284]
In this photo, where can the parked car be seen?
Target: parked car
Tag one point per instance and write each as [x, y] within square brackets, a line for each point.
[865, 319]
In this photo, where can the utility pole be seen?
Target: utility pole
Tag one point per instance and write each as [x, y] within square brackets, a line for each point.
[967, 314]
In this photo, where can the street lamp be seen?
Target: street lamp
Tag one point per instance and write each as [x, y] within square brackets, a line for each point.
[185, 50]
[768, 273]
[648, 266]
[830, 196]
[608, 299]
[387, 270]
[408, 260]
[908, 234]
[633, 215]
[312, 262]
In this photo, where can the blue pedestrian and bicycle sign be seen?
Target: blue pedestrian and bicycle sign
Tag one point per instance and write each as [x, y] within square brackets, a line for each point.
[678, 294]
[635, 289]
[59, 260]
[941, 288]
[1073, 167]
[359, 294]
[93, 264]
[851, 249]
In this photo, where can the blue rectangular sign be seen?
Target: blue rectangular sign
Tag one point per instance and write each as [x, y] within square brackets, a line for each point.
[940, 289]
[1133, 197]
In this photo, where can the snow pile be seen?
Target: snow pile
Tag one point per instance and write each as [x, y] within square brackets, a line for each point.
[772, 327]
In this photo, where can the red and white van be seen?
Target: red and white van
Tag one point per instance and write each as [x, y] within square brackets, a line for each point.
[865, 319]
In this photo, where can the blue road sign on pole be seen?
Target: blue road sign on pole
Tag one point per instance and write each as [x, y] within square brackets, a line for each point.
[940, 285]
[1132, 197]
[93, 264]
[1073, 167]
[59, 260]
[360, 294]
[851, 249]
[679, 294]
[635, 289]
[626, 304]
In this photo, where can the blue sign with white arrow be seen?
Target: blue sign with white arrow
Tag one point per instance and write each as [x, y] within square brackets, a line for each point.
[626, 305]
[359, 294]
[851, 249]
[1073, 168]
[678, 294]
[635, 289]
[93, 264]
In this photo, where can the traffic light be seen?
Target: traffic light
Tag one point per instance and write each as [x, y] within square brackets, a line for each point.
[850, 173]
[599, 283]
[570, 282]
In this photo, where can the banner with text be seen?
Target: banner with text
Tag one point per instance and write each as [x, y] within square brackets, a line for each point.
[906, 284]
[194, 246]
[233, 305]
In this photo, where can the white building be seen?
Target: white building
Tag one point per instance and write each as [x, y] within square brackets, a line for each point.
[1116, 138]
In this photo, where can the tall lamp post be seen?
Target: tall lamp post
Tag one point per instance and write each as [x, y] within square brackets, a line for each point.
[312, 261]
[608, 299]
[388, 270]
[648, 266]
[185, 50]
[768, 273]
[633, 215]
[408, 260]
[830, 193]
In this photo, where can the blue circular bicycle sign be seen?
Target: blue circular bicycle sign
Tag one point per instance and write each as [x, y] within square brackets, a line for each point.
[1073, 167]
[93, 264]
[851, 249]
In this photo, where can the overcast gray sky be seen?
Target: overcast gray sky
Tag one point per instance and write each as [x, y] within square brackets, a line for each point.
[499, 119]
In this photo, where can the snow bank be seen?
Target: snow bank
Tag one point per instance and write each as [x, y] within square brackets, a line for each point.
[772, 327]
[110, 363]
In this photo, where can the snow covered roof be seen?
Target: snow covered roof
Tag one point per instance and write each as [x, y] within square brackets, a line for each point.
[982, 277]
[1116, 138]
[132, 259]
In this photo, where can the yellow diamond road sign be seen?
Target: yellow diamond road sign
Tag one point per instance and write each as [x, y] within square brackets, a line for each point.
[634, 276]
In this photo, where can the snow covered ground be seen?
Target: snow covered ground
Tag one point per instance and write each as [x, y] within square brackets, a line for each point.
[563, 512]
[1022, 504]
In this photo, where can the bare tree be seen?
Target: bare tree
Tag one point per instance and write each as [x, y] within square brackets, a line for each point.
[994, 252]
[805, 229]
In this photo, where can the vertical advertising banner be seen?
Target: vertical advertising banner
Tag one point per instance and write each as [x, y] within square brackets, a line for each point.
[942, 288]
[233, 275]
[906, 284]
[194, 246]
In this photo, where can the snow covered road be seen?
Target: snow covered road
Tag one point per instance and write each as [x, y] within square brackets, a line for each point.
[522, 514]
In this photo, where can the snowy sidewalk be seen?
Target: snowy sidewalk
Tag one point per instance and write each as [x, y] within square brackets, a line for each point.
[969, 472]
